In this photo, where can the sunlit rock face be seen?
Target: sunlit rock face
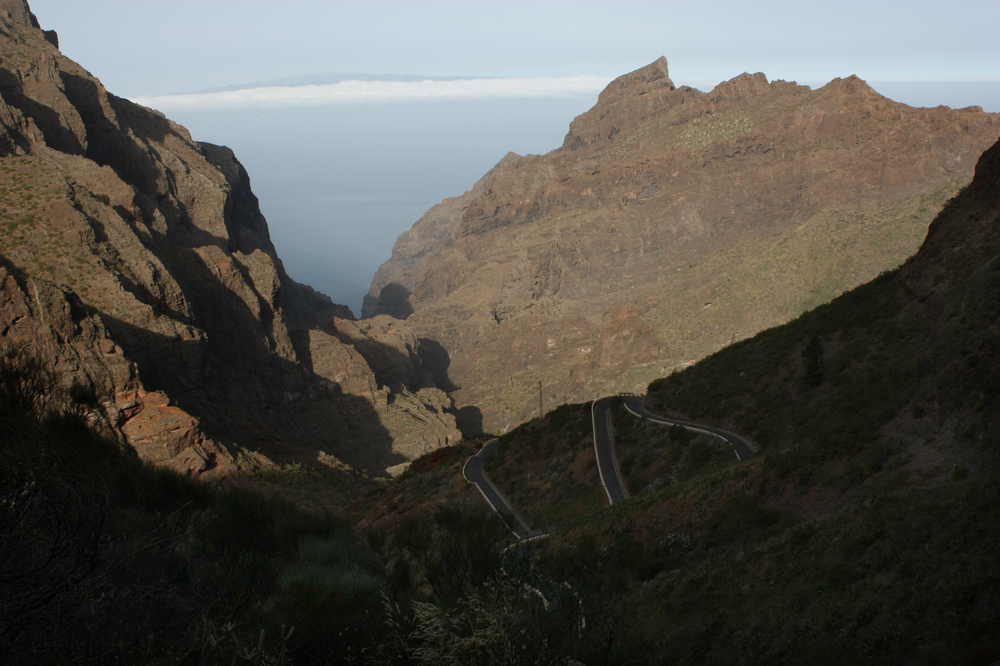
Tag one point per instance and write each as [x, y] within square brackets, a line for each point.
[670, 223]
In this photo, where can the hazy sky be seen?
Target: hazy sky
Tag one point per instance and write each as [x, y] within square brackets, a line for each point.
[342, 169]
[146, 47]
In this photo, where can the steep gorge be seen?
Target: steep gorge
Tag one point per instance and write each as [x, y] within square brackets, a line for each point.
[670, 223]
[136, 265]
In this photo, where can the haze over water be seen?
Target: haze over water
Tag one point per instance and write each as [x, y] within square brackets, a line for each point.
[339, 179]
[338, 184]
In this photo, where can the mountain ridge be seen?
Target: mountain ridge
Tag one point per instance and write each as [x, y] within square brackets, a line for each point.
[671, 222]
[862, 531]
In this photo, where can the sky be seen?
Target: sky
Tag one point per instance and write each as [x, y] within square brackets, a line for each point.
[341, 169]
[146, 47]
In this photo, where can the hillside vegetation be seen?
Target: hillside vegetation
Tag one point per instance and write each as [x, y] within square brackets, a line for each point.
[144, 323]
[864, 531]
[107, 559]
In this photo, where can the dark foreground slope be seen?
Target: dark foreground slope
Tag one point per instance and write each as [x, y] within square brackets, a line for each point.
[868, 527]
[864, 531]
[110, 560]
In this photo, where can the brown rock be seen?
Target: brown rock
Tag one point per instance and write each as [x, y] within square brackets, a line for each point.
[18, 13]
[669, 224]
[167, 435]
[137, 264]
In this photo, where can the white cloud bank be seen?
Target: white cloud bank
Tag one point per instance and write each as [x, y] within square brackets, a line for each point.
[368, 92]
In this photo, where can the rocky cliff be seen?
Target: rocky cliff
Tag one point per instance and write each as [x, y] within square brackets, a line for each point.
[669, 224]
[137, 265]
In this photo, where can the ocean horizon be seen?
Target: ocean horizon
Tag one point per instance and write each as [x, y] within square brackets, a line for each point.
[338, 184]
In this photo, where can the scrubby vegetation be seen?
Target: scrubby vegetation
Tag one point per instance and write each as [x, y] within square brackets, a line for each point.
[547, 469]
[111, 560]
[864, 531]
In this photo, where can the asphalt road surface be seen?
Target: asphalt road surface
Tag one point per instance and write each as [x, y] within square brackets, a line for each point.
[473, 472]
[741, 446]
[604, 449]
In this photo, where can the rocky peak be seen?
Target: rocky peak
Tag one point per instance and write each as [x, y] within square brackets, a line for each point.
[671, 223]
[18, 12]
[849, 91]
[744, 85]
[650, 78]
[625, 103]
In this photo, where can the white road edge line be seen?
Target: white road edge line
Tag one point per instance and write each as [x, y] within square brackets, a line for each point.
[503, 498]
[706, 431]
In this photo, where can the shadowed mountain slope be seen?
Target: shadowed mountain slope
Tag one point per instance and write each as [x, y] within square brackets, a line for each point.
[863, 531]
[136, 263]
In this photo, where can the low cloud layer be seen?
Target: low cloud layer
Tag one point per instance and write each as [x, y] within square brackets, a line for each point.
[367, 92]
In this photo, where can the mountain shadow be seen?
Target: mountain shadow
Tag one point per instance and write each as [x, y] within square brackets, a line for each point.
[56, 134]
[436, 359]
[411, 364]
[469, 420]
[240, 386]
[302, 425]
[393, 300]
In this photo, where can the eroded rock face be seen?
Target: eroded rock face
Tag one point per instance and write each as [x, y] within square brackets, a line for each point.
[670, 223]
[137, 264]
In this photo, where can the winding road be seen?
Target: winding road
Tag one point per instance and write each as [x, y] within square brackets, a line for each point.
[611, 479]
[604, 443]
[473, 473]
[604, 450]
[742, 447]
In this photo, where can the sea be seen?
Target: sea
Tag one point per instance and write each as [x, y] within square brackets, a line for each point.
[338, 184]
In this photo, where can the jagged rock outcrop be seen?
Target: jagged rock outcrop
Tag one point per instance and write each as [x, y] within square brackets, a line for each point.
[137, 264]
[670, 223]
